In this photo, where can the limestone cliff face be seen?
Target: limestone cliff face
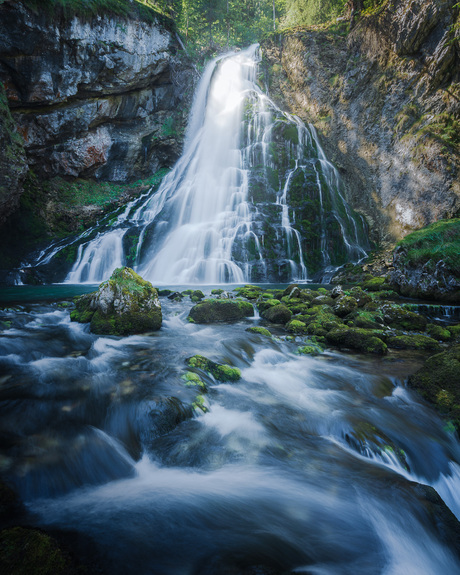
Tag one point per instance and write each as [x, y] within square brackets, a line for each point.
[103, 98]
[385, 99]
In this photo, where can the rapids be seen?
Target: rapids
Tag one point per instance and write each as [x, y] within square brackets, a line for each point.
[312, 464]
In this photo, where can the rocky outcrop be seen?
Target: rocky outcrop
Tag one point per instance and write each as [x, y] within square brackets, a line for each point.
[94, 96]
[125, 304]
[13, 167]
[426, 263]
[385, 99]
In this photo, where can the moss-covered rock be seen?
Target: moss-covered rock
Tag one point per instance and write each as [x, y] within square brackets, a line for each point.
[29, 551]
[367, 319]
[400, 318]
[426, 262]
[260, 330]
[249, 291]
[438, 382]
[263, 305]
[221, 372]
[355, 338]
[192, 379]
[216, 310]
[361, 297]
[438, 332]
[277, 314]
[323, 299]
[125, 304]
[296, 326]
[415, 341]
[344, 305]
[376, 284]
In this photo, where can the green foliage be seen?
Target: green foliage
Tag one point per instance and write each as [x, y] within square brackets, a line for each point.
[145, 10]
[311, 12]
[438, 241]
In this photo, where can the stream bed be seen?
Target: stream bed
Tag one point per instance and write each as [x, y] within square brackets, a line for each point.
[313, 464]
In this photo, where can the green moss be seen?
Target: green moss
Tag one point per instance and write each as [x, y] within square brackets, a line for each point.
[438, 241]
[27, 551]
[437, 382]
[420, 342]
[140, 310]
[296, 326]
[259, 330]
[215, 311]
[375, 284]
[194, 380]
[355, 338]
[263, 305]
[398, 317]
[221, 372]
[87, 9]
[277, 314]
[438, 332]
[249, 291]
[199, 403]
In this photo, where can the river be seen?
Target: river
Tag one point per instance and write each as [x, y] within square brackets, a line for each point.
[309, 463]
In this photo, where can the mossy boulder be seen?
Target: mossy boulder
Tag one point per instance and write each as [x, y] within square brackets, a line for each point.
[260, 330]
[398, 317]
[125, 304]
[355, 338]
[249, 291]
[196, 295]
[263, 305]
[367, 319]
[30, 551]
[438, 382]
[344, 305]
[413, 341]
[192, 379]
[361, 297]
[296, 326]
[323, 299]
[216, 310]
[221, 372]
[438, 332]
[277, 314]
[376, 284]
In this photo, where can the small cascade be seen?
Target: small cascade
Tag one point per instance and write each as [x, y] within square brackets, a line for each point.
[252, 199]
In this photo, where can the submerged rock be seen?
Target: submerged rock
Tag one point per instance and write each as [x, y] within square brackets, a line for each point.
[214, 311]
[260, 330]
[125, 304]
[438, 382]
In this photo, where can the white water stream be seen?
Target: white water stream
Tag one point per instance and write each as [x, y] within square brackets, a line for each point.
[203, 225]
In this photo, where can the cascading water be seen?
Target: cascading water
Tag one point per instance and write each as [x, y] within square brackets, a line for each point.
[253, 198]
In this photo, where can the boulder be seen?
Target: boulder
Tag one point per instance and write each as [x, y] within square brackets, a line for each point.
[437, 381]
[277, 314]
[344, 305]
[400, 318]
[125, 304]
[415, 341]
[214, 311]
[362, 340]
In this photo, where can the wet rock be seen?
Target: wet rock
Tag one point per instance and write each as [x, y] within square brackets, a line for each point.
[24, 550]
[336, 291]
[322, 299]
[438, 332]
[197, 296]
[296, 326]
[221, 372]
[249, 291]
[344, 305]
[263, 305]
[260, 330]
[277, 314]
[398, 317]
[216, 310]
[125, 304]
[361, 297]
[426, 263]
[420, 342]
[355, 338]
[437, 381]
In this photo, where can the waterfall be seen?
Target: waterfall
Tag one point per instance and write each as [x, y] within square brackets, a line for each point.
[253, 197]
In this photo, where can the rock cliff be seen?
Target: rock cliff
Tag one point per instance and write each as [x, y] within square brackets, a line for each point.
[100, 97]
[385, 99]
